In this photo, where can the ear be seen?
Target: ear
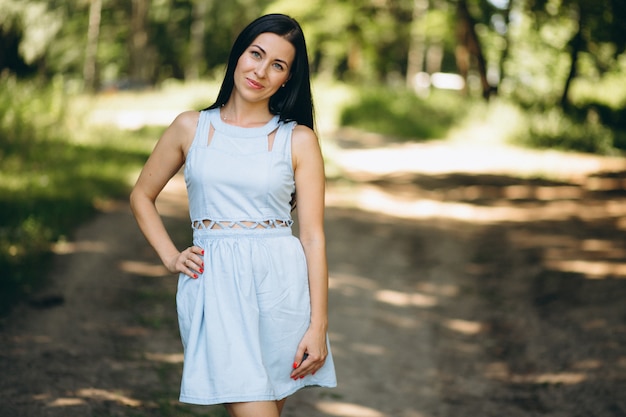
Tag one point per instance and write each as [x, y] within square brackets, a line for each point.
[286, 81]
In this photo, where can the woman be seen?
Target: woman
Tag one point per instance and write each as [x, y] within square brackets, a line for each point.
[252, 298]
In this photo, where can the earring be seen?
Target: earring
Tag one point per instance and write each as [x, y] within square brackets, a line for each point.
[284, 85]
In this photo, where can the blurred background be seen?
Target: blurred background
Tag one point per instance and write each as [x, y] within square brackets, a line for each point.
[482, 112]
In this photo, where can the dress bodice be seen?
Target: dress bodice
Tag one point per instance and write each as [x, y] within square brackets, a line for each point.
[235, 177]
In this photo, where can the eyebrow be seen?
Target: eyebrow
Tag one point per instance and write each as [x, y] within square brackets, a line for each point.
[264, 52]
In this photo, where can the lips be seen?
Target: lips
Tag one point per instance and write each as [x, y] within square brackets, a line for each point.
[254, 84]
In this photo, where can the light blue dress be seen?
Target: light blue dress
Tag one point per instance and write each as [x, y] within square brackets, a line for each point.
[242, 319]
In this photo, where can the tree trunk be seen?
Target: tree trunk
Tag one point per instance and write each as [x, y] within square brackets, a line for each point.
[91, 51]
[468, 46]
[434, 57]
[139, 55]
[576, 45]
[196, 39]
[507, 42]
[417, 44]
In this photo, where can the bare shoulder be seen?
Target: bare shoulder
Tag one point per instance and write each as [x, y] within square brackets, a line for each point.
[304, 137]
[186, 122]
[305, 148]
[180, 133]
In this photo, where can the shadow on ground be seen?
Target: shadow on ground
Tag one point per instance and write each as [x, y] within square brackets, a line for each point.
[483, 295]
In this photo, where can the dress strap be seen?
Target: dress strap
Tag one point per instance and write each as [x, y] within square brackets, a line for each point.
[282, 140]
[202, 130]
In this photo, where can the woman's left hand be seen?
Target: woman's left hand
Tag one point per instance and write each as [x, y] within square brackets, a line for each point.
[311, 354]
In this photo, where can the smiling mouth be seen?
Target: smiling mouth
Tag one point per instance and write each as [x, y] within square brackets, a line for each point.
[254, 84]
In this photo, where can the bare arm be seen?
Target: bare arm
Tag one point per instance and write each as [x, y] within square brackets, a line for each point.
[310, 185]
[166, 159]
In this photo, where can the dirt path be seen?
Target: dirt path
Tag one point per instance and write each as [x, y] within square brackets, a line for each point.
[455, 291]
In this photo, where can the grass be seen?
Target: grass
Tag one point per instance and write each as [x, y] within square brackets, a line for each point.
[402, 114]
[590, 126]
[51, 180]
[553, 129]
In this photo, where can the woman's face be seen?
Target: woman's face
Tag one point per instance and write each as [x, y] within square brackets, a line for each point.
[264, 67]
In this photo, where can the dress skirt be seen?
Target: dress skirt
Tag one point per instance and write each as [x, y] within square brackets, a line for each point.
[241, 321]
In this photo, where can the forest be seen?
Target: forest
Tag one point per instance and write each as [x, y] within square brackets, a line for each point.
[537, 52]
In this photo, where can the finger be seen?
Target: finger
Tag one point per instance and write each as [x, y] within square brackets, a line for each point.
[196, 255]
[304, 371]
[309, 366]
[298, 361]
[300, 357]
[194, 268]
[186, 269]
[187, 266]
[195, 263]
[196, 250]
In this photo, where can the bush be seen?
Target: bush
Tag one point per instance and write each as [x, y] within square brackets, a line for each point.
[401, 113]
[555, 130]
[48, 183]
[611, 116]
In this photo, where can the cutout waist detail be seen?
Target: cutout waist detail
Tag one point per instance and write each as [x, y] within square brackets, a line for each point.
[208, 224]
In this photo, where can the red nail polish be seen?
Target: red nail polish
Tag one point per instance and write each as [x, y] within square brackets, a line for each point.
[295, 365]
[195, 275]
[313, 373]
[301, 377]
[201, 270]
[203, 251]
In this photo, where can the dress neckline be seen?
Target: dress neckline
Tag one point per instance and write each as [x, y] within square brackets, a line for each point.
[241, 132]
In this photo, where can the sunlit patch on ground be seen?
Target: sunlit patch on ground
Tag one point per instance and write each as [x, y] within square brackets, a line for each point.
[465, 327]
[500, 371]
[447, 157]
[347, 410]
[404, 299]
[590, 269]
[143, 269]
[65, 248]
[82, 396]
[165, 357]
[374, 199]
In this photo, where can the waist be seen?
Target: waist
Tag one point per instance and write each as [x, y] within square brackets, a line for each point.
[240, 224]
[203, 234]
[264, 228]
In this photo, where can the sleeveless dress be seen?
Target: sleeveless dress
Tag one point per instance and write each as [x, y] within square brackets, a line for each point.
[242, 319]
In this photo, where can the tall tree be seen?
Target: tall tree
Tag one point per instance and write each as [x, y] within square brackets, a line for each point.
[469, 46]
[417, 44]
[503, 29]
[91, 51]
[576, 45]
[597, 24]
[140, 68]
[196, 38]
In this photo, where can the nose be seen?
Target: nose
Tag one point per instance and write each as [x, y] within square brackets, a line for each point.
[261, 69]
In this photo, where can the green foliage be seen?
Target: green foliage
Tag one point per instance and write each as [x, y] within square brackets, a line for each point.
[364, 40]
[401, 113]
[48, 182]
[36, 27]
[602, 98]
[553, 129]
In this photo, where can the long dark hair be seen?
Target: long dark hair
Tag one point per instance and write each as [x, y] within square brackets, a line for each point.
[292, 102]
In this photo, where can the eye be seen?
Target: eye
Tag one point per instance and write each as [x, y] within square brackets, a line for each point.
[278, 66]
[255, 54]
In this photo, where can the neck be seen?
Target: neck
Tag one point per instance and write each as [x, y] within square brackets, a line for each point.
[245, 114]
